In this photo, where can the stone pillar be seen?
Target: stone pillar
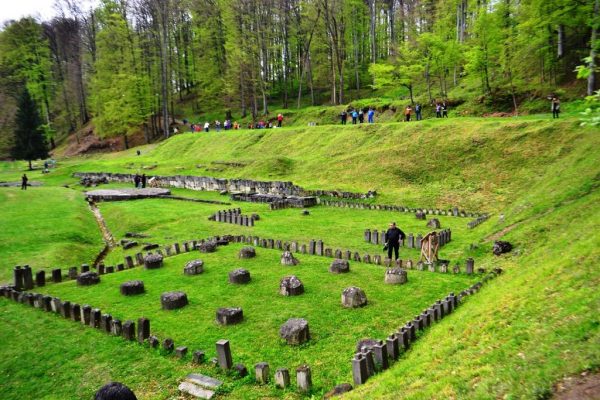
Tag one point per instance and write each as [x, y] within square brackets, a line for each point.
[56, 275]
[367, 235]
[382, 237]
[75, 312]
[95, 317]
[282, 378]
[304, 378]
[381, 355]
[359, 369]
[72, 273]
[101, 269]
[224, 354]
[368, 354]
[40, 278]
[65, 309]
[116, 328]
[393, 349]
[85, 268]
[106, 322]
[18, 278]
[27, 278]
[262, 372]
[404, 337]
[143, 329]
[85, 314]
[418, 241]
[470, 266]
[375, 237]
[410, 241]
[129, 330]
[312, 245]
[319, 250]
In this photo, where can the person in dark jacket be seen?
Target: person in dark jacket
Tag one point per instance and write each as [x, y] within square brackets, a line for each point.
[137, 179]
[393, 236]
[144, 180]
[24, 180]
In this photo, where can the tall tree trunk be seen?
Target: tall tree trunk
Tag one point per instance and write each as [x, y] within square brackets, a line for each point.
[372, 14]
[164, 77]
[591, 81]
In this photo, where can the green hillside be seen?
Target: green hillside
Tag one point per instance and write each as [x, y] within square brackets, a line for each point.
[522, 333]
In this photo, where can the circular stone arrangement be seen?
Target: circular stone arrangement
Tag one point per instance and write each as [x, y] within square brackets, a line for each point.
[153, 261]
[339, 266]
[239, 276]
[396, 276]
[291, 286]
[88, 278]
[132, 288]
[230, 316]
[173, 300]
[193, 267]
[354, 297]
[247, 252]
[207, 247]
[295, 331]
[287, 258]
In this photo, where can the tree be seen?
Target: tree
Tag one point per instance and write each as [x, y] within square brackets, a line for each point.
[30, 143]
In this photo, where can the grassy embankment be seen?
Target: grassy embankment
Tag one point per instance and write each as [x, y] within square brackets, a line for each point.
[521, 334]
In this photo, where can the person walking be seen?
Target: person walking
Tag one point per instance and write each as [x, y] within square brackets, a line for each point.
[393, 237]
[279, 120]
[144, 180]
[136, 180]
[344, 117]
[206, 126]
[407, 112]
[555, 107]
[371, 115]
[218, 125]
[361, 116]
[354, 117]
[444, 110]
[418, 111]
[24, 180]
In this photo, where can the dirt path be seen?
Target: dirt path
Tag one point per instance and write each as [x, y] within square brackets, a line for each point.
[106, 235]
[584, 387]
[498, 235]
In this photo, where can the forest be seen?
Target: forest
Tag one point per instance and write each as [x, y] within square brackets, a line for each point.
[134, 65]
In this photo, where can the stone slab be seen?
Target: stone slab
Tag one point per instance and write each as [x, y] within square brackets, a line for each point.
[195, 390]
[205, 381]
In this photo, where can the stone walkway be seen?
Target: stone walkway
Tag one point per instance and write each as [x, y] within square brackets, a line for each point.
[125, 194]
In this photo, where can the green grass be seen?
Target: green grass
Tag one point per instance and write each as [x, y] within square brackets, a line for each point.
[45, 228]
[334, 329]
[526, 330]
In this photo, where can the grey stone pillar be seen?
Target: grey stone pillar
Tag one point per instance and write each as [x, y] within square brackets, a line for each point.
[56, 275]
[375, 237]
[392, 346]
[261, 371]
[410, 241]
[40, 278]
[367, 235]
[95, 317]
[282, 378]
[129, 330]
[304, 378]
[319, 250]
[18, 278]
[85, 314]
[143, 329]
[359, 369]
[27, 278]
[381, 355]
[470, 266]
[224, 354]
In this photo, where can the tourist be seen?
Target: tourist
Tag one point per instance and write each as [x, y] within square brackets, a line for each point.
[354, 117]
[143, 180]
[236, 126]
[438, 110]
[279, 119]
[206, 126]
[24, 180]
[344, 117]
[393, 237]
[114, 391]
[371, 115]
[136, 180]
[361, 116]
[218, 125]
[444, 110]
[407, 112]
[418, 112]
[555, 107]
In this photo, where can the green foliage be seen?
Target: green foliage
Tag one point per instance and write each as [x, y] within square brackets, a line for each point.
[30, 143]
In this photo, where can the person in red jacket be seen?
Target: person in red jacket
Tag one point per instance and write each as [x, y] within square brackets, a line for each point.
[279, 120]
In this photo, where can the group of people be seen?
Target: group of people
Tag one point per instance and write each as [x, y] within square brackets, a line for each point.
[357, 116]
[441, 111]
[140, 181]
[228, 125]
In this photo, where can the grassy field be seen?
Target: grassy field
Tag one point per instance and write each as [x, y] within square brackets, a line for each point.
[528, 329]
